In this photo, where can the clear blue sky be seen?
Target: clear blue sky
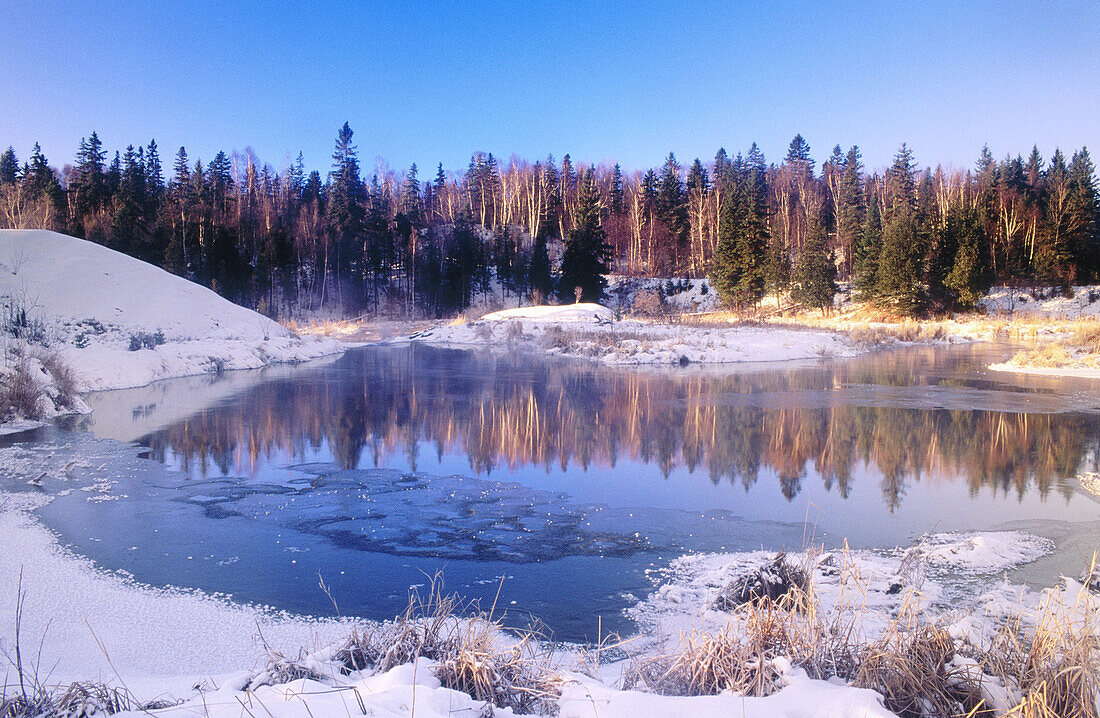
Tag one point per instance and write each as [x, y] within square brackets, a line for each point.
[430, 82]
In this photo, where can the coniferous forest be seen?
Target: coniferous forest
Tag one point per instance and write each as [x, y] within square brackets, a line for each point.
[289, 240]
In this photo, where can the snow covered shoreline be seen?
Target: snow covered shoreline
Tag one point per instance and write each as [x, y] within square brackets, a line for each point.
[117, 322]
[590, 331]
[203, 650]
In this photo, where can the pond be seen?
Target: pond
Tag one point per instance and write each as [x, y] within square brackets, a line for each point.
[556, 488]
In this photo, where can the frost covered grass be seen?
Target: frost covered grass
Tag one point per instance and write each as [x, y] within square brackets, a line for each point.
[830, 617]
[1076, 350]
[468, 651]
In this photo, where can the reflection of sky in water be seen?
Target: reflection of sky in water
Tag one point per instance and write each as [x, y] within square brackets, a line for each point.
[876, 450]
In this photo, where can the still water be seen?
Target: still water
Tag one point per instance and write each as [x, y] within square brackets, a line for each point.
[569, 480]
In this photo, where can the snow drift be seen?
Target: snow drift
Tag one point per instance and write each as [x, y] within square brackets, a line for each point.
[120, 322]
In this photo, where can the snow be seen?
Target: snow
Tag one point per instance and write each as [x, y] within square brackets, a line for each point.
[1062, 371]
[589, 331]
[567, 313]
[801, 697]
[94, 302]
[204, 650]
[1084, 301]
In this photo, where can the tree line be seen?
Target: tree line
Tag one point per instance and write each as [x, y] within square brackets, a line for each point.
[915, 239]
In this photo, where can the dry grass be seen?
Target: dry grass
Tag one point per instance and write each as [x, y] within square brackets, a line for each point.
[472, 654]
[1052, 669]
[1079, 348]
[20, 392]
[62, 375]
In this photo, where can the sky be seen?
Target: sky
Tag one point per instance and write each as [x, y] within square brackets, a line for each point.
[431, 82]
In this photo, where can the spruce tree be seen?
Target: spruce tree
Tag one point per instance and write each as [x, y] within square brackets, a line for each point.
[345, 208]
[970, 272]
[538, 274]
[9, 167]
[617, 206]
[813, 283]
[867, 253]
[585, 261]
[898, 279]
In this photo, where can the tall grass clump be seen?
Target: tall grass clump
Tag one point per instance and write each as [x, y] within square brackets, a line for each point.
[471, 653]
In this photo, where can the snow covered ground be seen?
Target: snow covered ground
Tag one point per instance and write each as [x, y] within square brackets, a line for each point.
[203, 651]
[1083, 302]
[590, 331]
[119, 322]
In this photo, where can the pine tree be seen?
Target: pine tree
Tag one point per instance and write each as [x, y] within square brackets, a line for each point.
[9, 167]
[89, 182]
[814, 281]
[851, 208]
[154, 177]
[539, 276]
[898, 279]
[410, 197]
[970, 272]
[345, 207]
[901, 188]
[617, 206]
[584, 264]
[672, 211]
[739, 269]
[867, 253]
[1082, 208]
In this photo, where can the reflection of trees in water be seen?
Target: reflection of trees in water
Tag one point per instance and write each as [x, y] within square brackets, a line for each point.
[516, 413]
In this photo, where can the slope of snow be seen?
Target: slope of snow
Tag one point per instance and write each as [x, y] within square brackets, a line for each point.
[95, 304]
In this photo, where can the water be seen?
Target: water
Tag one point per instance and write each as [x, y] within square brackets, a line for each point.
[567, 480]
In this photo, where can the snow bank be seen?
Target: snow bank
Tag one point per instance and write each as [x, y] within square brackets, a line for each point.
[120, 322]
[588, 331]
[565, 313]
[71, 606]
[1084, 301]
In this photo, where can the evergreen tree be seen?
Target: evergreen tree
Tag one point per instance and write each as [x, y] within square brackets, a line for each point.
[585, 262]
[867, 253]
[851, 207]
[9, 167]
[901, 188]
[739, 270]
[1082, 207]
[617, 206]
[672, 211]
[970, 272]
[345, 210]
[89, 182]
[154, 177]
[539, 276]
[814, 280]
[898, 280]
[410, 196]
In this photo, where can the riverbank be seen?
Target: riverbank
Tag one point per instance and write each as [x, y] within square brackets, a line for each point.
[591, 331]
[78, 317]
[834, 634]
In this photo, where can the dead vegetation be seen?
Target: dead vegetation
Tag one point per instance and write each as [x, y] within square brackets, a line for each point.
[1048, 669]
[26, 694]
[472, 654]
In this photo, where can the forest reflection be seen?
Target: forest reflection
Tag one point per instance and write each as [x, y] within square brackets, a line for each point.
[518, 411]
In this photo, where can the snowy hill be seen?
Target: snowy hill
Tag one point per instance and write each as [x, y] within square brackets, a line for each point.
[120, 322]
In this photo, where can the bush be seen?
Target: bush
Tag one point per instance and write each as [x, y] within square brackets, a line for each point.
[145, 340]
[20, 392]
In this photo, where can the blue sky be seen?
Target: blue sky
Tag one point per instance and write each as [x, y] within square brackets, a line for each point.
[427, 82]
